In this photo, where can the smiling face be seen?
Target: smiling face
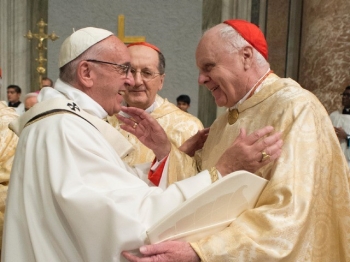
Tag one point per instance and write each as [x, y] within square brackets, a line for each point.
[105, 82]
[143, 93]
[223, 73]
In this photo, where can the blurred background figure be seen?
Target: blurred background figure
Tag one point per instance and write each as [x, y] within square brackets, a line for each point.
[30, 100]
[46, 82]
[13, 98]
[7, 152]
[183, 102]
[341, 122]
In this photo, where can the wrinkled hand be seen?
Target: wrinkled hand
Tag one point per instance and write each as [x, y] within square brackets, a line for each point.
[170, 251]
[341, 134]
[246, 151]
[196, 142]
[146, 129]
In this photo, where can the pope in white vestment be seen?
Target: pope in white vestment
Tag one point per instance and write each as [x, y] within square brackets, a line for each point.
[72, 198]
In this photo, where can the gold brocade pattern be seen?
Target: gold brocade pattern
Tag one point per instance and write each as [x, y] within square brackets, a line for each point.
[8, 143]
[303, 214]
[179, 126]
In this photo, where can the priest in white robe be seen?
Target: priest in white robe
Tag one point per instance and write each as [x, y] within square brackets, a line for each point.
[341, 122]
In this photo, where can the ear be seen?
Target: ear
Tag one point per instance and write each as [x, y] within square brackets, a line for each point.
[85, 74]
[247, 57]
[161, 82]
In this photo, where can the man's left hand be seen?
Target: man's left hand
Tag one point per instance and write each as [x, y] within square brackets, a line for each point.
[170, 251]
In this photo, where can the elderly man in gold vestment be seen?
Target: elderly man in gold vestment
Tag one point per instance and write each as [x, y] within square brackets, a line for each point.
[8, 143]
[303, 214]
[148, 65]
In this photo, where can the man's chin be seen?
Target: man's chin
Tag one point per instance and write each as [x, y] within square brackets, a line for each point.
[136, 103]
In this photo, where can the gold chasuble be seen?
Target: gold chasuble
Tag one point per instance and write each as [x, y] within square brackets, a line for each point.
[303, 214]
[8, 143]
[179, 126]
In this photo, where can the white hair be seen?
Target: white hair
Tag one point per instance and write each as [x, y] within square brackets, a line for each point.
[33, 94]
[235, 42]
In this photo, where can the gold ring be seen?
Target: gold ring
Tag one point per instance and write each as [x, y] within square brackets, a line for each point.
[134, 126]
[264, 156]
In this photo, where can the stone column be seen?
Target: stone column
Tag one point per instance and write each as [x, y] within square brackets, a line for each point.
[206, 103]
[325, 50]
[14, 49]
[17, 54]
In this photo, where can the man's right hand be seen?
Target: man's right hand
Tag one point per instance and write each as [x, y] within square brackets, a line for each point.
[196, 142]
[246, 152]
[147, 130]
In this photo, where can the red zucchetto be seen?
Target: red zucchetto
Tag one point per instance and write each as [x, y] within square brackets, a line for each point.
[145, 44]
[251, 33]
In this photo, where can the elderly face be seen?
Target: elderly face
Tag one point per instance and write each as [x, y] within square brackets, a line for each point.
[30, 102]
[106, 81]
[223, 73]
[144, 61]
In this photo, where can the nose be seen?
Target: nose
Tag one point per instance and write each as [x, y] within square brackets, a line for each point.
[138, 78]
[130, 79]
[203, 79]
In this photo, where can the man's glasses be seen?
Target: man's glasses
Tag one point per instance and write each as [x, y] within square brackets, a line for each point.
[146, 74]
[347, 95]
[122, 69]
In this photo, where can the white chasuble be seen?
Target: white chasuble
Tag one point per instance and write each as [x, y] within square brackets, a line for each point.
[72, 198]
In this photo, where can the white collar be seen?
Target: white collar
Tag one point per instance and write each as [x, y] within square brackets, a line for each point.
[148, 110]
[84, 101]
[256, 90]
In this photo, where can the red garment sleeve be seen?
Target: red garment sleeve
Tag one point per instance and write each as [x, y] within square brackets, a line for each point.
[155, 175]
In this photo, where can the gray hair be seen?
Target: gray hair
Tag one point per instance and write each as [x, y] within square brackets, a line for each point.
[33, 94]
[161, 64]
[235, 42]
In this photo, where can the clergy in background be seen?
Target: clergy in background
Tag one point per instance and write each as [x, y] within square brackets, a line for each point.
[148, 70]
[341, 123]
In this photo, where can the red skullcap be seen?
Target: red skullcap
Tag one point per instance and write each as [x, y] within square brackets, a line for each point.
[145, 44]
[251, 33]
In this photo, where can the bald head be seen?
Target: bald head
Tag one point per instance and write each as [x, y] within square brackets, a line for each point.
[30, 100]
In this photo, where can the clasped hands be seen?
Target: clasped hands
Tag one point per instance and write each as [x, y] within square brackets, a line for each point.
[247, 152]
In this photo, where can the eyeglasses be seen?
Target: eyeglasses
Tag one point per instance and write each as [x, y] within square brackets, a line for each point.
[345, 95]
[146, 74]
[123, 69]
